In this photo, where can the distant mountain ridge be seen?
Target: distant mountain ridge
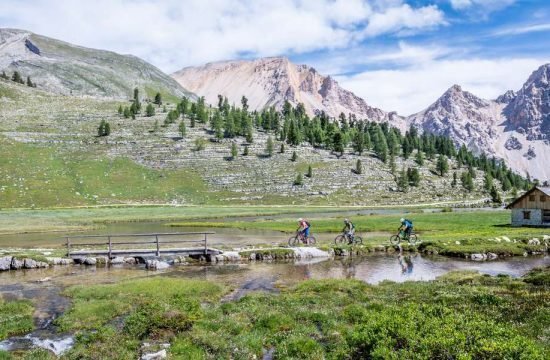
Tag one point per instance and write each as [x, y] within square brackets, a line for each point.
[272, 81]
[514, 127]
[63, 68]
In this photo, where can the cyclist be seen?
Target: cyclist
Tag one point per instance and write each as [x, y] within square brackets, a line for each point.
[406, 226]
[348, 230]
[303, 228]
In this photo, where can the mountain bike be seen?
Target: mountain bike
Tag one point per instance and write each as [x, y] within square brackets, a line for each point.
[345, 238]
[401, 236]
[300, 238]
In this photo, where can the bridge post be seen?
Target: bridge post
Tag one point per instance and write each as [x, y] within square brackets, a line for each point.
[205, 244]
[68, 247]
[158, 246]
[110, 247]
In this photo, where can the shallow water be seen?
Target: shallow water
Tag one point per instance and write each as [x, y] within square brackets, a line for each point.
[43, 286]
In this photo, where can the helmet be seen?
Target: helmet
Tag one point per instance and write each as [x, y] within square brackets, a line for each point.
[402, 220]
[346, 220]
[300, 219]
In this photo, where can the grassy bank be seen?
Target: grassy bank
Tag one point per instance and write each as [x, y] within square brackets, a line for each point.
[442, 226]
[461, 316]
[15, 318]
[75, 219]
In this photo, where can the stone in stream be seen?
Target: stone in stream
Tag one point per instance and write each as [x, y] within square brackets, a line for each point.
[491, 256]
[89, 261]
[478, 257]
[130, 260]
[60, 261]
[5, 263]
[534, 242]
[156, 265]
[16, 264]
[117, 260]
[155, 356]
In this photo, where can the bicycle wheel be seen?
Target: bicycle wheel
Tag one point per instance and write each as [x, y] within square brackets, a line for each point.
[340, 239]
[358, 240]
[311, 240]
[293, 241]
[395, 240]
[413, 239]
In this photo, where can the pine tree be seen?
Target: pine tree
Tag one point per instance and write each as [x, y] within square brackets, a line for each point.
[467, 181]
[127, 113]
[358, 167]
[16, 77]
[282, 149]
[104, 128]
[403, 181]
[419, 157]
[495, 196]
[338, 143]
[107, 128]
[455, 180]
[150, 110]
[158, 99]
[200, 144]
[393, 165]
[164, 109]
[156, 127]
[246, 151]
[4, 76]
[137, 103]
[182, 129]
[234, 151]
[359, 142]
[294, 156]
[120, 110]
[309, 172]
[488, 181]
[29, 82]
[413, 176]
[269, 147]
[442, 165]
[299, 180]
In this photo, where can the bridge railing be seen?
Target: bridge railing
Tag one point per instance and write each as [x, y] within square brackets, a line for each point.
[110, 241]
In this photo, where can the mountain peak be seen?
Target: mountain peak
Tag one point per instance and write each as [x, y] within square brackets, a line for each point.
[272, 81]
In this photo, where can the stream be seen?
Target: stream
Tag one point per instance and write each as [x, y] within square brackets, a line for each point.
[44, 286]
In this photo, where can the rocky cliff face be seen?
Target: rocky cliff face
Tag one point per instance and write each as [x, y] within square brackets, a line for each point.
[514, 127]
[529, 111]
[272, 81]
[68, 69]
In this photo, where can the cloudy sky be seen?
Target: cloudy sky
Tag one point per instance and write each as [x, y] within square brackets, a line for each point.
[398, 55]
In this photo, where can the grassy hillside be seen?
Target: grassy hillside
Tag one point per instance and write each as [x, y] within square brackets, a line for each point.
[65, 68]
[53, 157]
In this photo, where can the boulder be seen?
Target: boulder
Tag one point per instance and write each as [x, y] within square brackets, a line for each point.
[533, 242]
[16, 264]
[379, 248]
[159, 355]
[5, 263]
[29, 264]
[492, 256]
[506, 238]
[130, 260]
[117, 260]
[156, 265]
[101, 260]
[89, 261]
[478, 257]
[60, 261]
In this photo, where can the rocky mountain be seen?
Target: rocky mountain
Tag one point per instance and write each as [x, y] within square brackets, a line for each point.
[272, 81]
[514, 127]
[63, 68]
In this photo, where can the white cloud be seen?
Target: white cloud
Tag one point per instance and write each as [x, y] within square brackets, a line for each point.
[523, 29]
[414, 88]
[481, 6]
[175, 33]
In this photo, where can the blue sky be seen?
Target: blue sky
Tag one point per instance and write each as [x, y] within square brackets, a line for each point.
[399, 55]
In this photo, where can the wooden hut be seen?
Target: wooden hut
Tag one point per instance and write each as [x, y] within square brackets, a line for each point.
[532, 208]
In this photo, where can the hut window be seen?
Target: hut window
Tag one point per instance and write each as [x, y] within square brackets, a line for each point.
[531, 197]
[542, 198]
[526, 215]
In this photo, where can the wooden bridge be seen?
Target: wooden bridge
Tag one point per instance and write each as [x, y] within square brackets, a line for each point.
[146, 245]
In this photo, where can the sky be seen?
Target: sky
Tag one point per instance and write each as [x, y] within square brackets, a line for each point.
[398, 55]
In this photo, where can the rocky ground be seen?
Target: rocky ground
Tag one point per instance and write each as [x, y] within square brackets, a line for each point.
[67, 126]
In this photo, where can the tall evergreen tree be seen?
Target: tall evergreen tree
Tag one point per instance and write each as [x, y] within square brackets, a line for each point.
[442, 165]
[158, 99]
[358, 167]
[419, 157]
[269, 146]
[467, 181]
[359, 142]
[182, 129]
[234, 151]
[338, 143]
[403, 181]
[150, 110]
[309, 172]
[294, 156]
[120, 110]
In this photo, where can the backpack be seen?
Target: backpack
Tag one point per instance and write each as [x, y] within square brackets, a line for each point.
[408, 221]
